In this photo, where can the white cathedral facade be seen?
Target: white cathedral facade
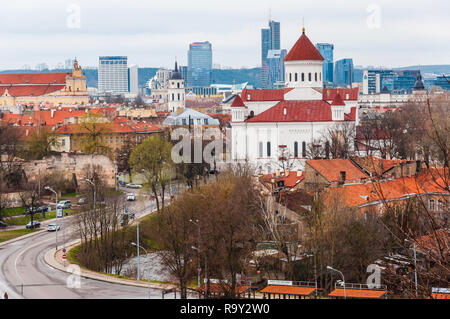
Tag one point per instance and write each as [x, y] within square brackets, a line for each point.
[267, 125]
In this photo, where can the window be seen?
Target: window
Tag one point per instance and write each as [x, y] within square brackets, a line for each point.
[268, 149]
[178, 85]
[432, 204]
[303, 149]
[296, 79]
[303, 77]
[173, 97]
[74, 141]
[315, 76]
[178, 96]
[440, 205]
[110, 140]
[290, 77]
[183, 121]
[309, 77]
[63, 142]
[296, 149]
[117, 140]
[260, 149]
[205, 121]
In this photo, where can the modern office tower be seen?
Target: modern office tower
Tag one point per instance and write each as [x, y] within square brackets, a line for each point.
[326, 49]
[270, 40]
[133, 79]
[442, 82]
[404, 81]
[275, 67]
[343, 73]
[199, 64]
[113, 74]
[184, 74]
[371, 82]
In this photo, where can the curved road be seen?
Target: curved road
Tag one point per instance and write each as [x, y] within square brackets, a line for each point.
[22, 263]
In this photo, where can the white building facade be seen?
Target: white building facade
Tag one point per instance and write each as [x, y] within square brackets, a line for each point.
[268, 124]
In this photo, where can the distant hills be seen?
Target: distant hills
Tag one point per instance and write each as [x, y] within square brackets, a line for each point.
[231, 76]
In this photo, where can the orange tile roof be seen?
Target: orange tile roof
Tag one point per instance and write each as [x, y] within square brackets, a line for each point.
[329, 94]
[291, 180]
[359, 194]
[357, 293]
[30, 90]
[33, 78]
[289, 290]
[440, 296]
[330, 169]
[303, 49]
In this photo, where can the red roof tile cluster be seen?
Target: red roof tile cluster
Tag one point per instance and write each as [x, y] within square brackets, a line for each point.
[290, 180]
[428, 181]
[30, 90]
[331, 169]
[263, 95]
[296, 111]
[303, 49]
[337, 100]
[329, 94]
[33, 78]
[237, 102]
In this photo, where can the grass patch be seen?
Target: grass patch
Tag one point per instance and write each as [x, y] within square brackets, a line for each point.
[12, 211]
[23, 220]
[10, 234]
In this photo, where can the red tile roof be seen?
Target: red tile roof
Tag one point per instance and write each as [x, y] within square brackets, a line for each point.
[303, 49]
[290, 180]
[296, 111]
[30, 90]
[337, 100]
[331, 169]
[289, 290]
[263, 95]
[33, 78]
[329, 94]
[440, 296]
[237, 102]
[358, 293]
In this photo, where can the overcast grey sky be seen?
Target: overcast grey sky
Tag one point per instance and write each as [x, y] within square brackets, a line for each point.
[152, 33]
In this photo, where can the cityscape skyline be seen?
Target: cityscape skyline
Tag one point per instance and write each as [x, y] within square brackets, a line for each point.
[46, 35]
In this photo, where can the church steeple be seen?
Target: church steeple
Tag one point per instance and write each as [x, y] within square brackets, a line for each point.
[419, 83]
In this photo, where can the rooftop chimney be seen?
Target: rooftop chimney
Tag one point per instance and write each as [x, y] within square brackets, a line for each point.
[52, 112]
[343, 177]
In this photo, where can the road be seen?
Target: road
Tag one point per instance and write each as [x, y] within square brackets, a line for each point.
[22, 263]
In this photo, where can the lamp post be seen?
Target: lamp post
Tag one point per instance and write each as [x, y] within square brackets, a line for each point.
[343, 279]
[415, 264]
[56, 209]
[148, 266]
[198, 251]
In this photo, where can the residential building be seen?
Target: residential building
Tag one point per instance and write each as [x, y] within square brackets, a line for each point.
[326, 50]
[113, 74]
[199, 64]
[190, 118]
[343, 73]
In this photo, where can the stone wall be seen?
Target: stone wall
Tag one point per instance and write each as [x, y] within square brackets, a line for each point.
[71, 164]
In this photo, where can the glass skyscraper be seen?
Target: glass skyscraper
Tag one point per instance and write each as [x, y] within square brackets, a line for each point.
[275, 64]
[343, 73]
[326, 49]
[113, 74]
[270, 40]
[199, 64]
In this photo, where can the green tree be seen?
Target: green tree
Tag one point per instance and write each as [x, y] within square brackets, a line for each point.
[92, 129]
[152, 158]
[40, 144]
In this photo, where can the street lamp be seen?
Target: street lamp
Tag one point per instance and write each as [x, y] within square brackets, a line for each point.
[56, 215]
[198, 251]
[415, 264]
[148, 266]
[343, 279]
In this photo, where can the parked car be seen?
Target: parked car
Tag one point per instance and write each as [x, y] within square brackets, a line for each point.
[53, 227]
[35, 210]
[131, 197]
[122, 183]
[45, 208]
[64, 204]
[133, 185]
[82, 201]
[36, 224]
[2, 224]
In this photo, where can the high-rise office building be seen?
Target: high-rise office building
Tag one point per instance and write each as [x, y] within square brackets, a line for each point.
[326, 49]
[133, 79]
[270, 40]
[113, 74]
[199, 64]
[343, 73]
[275, 67]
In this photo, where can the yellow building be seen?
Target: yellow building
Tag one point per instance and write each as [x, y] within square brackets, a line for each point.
[47, 88]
